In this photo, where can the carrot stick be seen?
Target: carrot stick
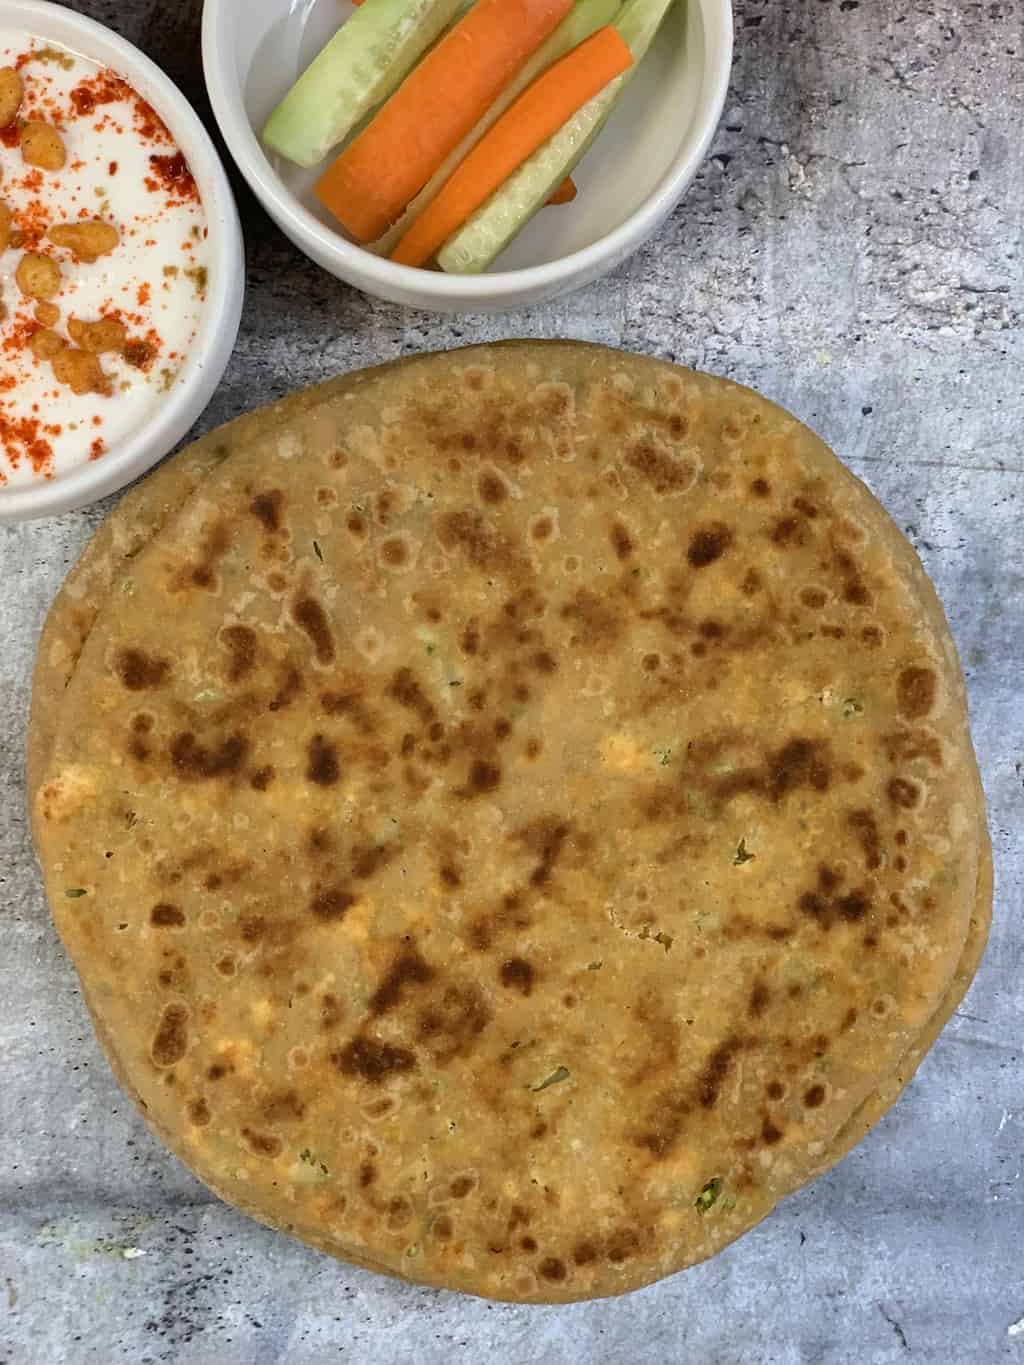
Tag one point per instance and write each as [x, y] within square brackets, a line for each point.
[434, 108]
[566, 191]
[538, 113]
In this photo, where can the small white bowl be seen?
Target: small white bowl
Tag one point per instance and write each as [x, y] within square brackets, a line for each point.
[218, 329]
[630, 182]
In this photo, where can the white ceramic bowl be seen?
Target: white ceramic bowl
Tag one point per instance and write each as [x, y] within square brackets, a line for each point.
[630, 182]
[208, 359]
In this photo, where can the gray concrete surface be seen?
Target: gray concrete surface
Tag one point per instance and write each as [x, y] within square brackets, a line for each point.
[852, 249]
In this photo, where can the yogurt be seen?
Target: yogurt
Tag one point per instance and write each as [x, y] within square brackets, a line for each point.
[103, 271]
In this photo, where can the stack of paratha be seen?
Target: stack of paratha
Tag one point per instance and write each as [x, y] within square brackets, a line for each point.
[513, 814]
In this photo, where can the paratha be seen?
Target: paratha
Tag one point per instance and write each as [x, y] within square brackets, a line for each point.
[524, 810]
[139, 517]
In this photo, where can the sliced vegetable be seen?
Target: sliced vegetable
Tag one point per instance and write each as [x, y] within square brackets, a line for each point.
[376, 176]
[537, 115]
[365, 61]
[486, 234]
[565, 193]
[585, 18]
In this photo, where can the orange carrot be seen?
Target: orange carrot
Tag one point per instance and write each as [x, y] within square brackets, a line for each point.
[436, 106]
[566, 191]
[538, 113]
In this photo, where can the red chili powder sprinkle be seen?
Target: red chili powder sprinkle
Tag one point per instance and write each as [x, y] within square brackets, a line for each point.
[112, 168]
[174, 175]
[21, 333]
[97, 448]
[11, 135]
[103, 88]
[22, 438]
[144, 294]
[106, 88]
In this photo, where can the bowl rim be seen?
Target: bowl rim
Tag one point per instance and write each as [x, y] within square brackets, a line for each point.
[381, 274]
[219, 322]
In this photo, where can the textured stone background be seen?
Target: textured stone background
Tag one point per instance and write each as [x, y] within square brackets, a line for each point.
[852, 249]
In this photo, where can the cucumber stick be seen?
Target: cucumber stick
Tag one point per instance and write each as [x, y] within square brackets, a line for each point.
[585, 18]
[364, 63]
[486, 234]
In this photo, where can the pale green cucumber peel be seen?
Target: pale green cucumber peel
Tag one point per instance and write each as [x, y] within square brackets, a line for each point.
[585, 18]
[361, 66]
[489, 231]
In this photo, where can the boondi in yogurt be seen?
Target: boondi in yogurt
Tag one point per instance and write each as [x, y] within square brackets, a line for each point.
[103, 252]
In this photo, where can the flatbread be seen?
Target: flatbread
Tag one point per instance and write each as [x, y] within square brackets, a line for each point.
[493, 671]
[138, 518]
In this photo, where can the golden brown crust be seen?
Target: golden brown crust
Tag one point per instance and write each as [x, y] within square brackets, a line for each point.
[521, 818]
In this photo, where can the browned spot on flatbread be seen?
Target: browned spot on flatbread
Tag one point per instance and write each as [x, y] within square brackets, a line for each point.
[622, 541]
[240, 642]
[368, 859]
[760, 998]
[166, 916]
[915, 692]
[322, 766]
[788, 531]
[492, 488]
[771, 1133]
[289, 687]
[170, 1042]
[595, 625]
[486, 549]
[139, 671]
[517, 974]
[201, 574]
[716, 1071]
[406, 689]
[372, 1061]
[350, 704]
[331, 1012]
[829, 904]
[282, 1107]
[199, 1112]
[332, 904]
[450, 876]
[483, 778]
[665, 473]
[865, 827]
[709, 544]
[262, 778]
[800, 762]
[311, 618]
[546, 838]
[553, 1269]
[854, 589]
[903, 793]
[407, 971]
[195, 762]
[451, 1023]
[394, 552]
[262, 1144]
[903, 746]
[266, 508]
